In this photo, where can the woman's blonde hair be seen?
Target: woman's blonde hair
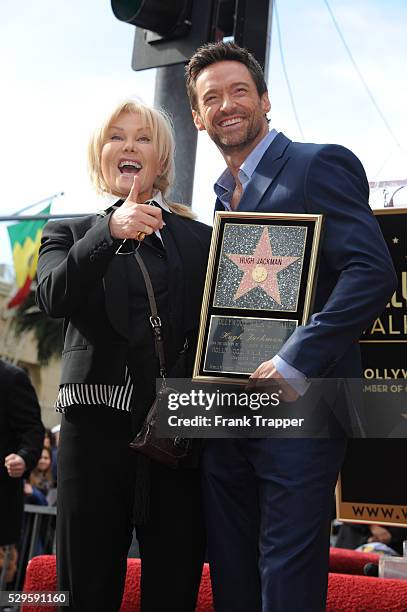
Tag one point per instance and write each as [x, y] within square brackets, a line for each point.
[163, 137]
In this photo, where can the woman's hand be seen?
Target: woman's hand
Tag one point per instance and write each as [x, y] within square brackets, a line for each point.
[28, 490]
[133, 217]
[379, 534]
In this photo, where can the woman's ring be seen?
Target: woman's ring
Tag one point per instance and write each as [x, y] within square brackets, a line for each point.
[140, 236]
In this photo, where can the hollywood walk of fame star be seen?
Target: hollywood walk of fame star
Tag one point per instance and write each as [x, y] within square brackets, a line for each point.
[261, 268]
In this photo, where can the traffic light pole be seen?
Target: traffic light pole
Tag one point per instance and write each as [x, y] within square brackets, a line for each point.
[171, 95]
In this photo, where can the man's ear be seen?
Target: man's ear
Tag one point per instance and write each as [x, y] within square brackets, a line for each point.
[265, 102]
[198, 121]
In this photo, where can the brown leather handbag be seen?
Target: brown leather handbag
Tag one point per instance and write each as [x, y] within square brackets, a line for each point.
[165, 450]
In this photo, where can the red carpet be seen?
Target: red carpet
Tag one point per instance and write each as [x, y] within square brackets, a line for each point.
[41, 576]
[343, 561]
[346, 593]
[362, 594]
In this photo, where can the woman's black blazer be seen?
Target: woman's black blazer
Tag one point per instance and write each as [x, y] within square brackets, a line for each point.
[81, 279]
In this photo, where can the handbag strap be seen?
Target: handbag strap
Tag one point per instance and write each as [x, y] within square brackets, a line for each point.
[154, 317]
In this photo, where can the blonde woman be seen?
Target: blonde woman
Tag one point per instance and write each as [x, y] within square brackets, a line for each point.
[87, 274]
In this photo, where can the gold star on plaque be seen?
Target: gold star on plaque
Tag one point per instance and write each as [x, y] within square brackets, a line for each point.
[261, 268]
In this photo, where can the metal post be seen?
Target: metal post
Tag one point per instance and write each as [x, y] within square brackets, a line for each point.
[253, 28]
[42, 217]
[170, 94]
[49, 199]
[34, 536]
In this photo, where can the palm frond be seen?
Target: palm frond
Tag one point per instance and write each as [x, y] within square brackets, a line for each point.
[47, 332]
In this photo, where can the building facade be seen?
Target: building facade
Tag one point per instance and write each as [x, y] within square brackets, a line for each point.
[22, 352]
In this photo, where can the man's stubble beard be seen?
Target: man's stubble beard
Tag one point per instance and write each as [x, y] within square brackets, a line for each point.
[251, 133]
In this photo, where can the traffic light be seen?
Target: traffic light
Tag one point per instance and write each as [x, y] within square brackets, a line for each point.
[169, 31]
[165, 18]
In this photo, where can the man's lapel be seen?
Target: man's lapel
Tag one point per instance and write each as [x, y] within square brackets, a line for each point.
[219, 206]
[268, 168]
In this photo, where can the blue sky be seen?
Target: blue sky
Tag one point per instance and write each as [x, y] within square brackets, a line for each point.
[63, 65]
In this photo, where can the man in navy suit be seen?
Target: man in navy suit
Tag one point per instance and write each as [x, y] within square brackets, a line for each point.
[269, 501]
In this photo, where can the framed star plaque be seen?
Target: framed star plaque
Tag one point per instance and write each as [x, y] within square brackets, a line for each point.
[259, 287]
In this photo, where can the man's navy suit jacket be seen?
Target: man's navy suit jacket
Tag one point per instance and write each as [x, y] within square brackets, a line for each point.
[356, 275]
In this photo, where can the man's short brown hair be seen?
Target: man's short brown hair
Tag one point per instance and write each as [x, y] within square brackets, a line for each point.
[220, 52]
